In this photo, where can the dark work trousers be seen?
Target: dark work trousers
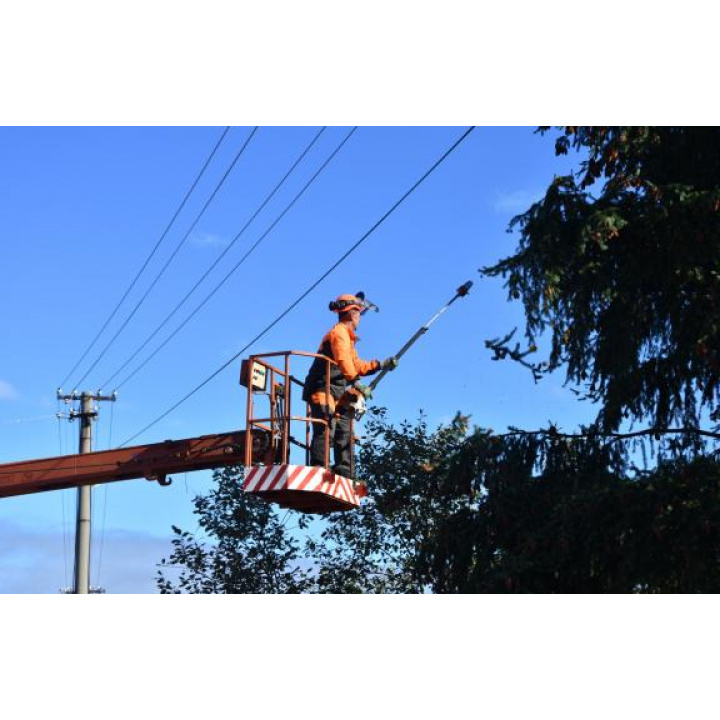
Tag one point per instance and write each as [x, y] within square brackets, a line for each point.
[340, 436]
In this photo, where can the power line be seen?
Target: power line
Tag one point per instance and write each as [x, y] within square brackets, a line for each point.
[352, 249]
[149, 257]
[172, 257]
[217, 260]
[240, 262]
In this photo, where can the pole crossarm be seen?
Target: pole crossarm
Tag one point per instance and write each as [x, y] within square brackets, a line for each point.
[154, 462]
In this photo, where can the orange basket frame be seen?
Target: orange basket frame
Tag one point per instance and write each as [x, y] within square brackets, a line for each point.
[280, 424]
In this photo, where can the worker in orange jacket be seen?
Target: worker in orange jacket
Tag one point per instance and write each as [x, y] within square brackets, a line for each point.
[339, 346]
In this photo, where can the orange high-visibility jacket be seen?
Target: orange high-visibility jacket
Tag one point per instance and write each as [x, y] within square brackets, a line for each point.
[339, 345]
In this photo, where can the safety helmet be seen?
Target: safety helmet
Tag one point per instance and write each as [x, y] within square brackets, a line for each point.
[345, 303]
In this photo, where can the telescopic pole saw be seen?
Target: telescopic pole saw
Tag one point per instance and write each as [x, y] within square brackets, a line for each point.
[359, 405]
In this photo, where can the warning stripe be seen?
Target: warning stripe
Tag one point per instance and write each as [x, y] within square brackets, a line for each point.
[337, 490]
[277, 472]
[350, 489]
[299, 477]
[312, 477]
[330, 487]
[260, 478]
[327, 481]
[290, 478]
[340, 491]
[278, 481]
[246, 479]
[325, 485]
[249, 475]
[250, 479]
[317, 481]
[354, 497]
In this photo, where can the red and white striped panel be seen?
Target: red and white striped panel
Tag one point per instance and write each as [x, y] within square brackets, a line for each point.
[266, 478]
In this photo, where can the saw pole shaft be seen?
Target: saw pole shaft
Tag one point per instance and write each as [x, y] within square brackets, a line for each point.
[462, 291]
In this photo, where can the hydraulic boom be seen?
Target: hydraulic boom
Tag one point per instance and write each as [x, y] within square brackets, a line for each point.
[154, 462]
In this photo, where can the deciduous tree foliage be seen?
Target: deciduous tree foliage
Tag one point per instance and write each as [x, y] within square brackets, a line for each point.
[241, 546]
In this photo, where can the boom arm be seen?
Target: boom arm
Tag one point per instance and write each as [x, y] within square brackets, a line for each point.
[153, 462]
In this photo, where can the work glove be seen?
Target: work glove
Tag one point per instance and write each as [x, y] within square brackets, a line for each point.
[364, 390]
[389, 363]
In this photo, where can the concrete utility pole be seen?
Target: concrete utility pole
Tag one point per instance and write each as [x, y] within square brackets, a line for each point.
[87, 413]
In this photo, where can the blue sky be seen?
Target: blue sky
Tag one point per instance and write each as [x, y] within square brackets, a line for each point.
[83, 207]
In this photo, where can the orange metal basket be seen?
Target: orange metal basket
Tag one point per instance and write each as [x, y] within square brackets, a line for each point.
[277, 479]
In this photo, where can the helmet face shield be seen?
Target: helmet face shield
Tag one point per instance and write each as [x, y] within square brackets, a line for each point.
[367, 305]
[345, 303]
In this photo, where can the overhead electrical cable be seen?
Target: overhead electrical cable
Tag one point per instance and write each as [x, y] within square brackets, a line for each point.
[334, 266]
[216, 261]
[172, 257]
[147, 260]
[239, 263]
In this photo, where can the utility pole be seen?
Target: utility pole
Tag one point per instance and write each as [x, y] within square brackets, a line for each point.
[87, 413]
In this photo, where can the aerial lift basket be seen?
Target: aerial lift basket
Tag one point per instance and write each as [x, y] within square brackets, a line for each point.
[276, 478]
